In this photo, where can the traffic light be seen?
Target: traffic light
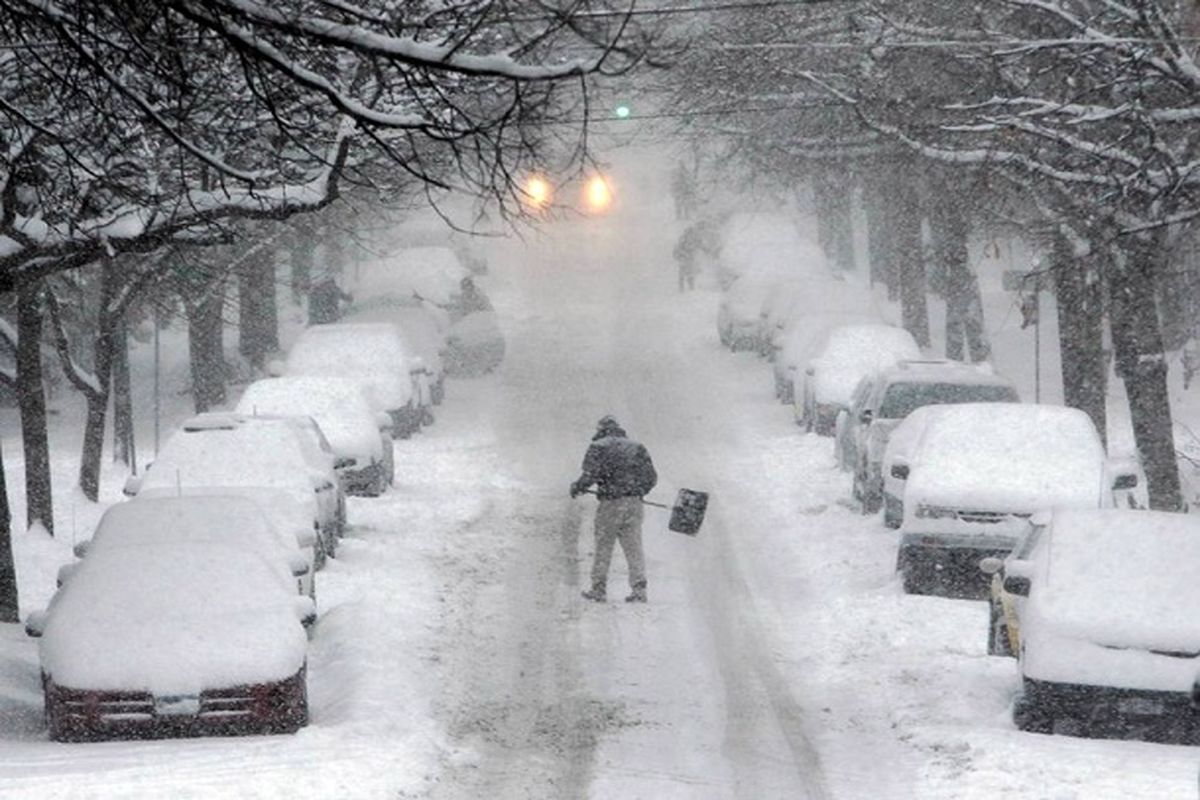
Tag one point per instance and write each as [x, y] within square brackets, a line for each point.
[622, 111]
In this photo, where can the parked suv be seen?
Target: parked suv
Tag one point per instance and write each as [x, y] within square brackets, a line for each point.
[894, 394]
[977, 475]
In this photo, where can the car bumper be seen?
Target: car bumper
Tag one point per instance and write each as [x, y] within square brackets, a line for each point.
[362, 481]
[948, 564]
[76, 715]
[1111, 712]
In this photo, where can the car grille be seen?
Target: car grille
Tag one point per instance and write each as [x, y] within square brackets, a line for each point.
[967, 515]
[227, 703]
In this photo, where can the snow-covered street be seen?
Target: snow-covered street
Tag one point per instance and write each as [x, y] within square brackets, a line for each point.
[454, 657]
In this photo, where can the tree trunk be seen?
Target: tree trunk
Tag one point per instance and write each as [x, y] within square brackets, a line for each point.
[124, 450]
[301, 247]
[904, 211]
[1137, 340]
[879, 254]
[965, 334]
[206, 349]
[1078, 298]
[31, 397]
[832, 195]
[258, 318]
[9, 604]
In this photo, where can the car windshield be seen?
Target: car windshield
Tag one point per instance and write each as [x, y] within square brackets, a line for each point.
[901, 399]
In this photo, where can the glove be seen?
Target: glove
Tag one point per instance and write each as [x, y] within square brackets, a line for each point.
[576, 489]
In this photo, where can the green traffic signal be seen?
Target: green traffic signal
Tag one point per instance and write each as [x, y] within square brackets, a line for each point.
[622, 111]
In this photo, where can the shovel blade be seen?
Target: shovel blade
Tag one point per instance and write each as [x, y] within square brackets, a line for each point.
[687, 515]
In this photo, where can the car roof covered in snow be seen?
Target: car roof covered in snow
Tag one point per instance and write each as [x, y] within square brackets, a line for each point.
[852, 351]
[256, 455]
[211, 516]
[172, 618]
[767, 243]
[1007, 457]
[1121, 578]
[279, 506]
[339, 405]
[432, 273]
[371, 352]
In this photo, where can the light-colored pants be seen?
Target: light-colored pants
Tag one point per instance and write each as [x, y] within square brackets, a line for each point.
[619, 520]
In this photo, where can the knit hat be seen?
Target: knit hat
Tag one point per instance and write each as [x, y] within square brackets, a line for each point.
[608, 426]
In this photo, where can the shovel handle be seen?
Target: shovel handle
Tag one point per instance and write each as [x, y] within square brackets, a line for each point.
[644, 500]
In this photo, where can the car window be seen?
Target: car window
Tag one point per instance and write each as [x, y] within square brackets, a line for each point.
[901, 399]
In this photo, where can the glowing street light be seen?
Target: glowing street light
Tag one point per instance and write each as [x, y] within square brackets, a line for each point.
[598, 194]
[538, 191]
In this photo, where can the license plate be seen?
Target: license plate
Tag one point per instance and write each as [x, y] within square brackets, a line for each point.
[1140, 706]
[177, 705]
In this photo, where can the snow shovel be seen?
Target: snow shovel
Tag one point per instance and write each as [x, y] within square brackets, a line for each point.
[687, 514]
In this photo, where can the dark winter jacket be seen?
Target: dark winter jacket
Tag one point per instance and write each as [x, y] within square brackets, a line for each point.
[620, 467]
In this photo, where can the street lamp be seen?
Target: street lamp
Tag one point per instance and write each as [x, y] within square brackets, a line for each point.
[598, 194]
[538, 192]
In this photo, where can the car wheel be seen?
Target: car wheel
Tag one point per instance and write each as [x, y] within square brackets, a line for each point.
[997, 643]
[893, 512]
[869, 498]
[1031, 719]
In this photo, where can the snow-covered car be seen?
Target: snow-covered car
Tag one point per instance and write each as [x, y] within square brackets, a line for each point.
[173, 639]
[433, 273]
[800, 341]
[976, 476]
[419, 324]
[897, 392]
[268, 456]
[897, 456]
[357, 434]
[475, 345]
[762, 243]
[739, 313]
[845, 447]
[373, 354]
[1094, 604]
[848, 353]
[208, 516]
[323, 463]
[280, 508]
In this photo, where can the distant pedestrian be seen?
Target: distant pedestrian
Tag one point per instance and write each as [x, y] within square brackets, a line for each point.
[687, 251]
[623, 473]
[325, 300]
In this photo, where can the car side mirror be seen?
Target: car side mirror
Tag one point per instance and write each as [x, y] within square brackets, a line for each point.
[276, 368]
[991, 565]
[1017, 584]
[306, 610]
[810, 371]
[81, 548]
[900, 470]
[299, 567]
[64, 573]
[306, 537]
[1126, 481]
[133, 485]
[865, 416]
[35, 624]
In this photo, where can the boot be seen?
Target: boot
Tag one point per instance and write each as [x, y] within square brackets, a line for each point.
[637, 596]
[597, 594]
